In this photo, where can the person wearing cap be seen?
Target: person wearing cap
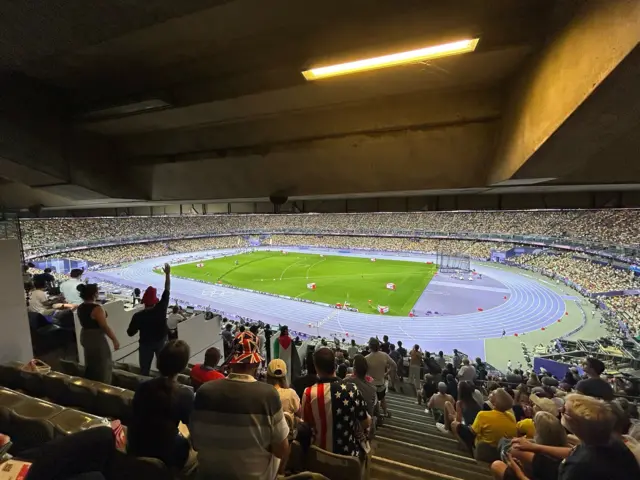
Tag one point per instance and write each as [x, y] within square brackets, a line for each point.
[238, 426]
[595, 386]
[277, 376]
[151, 323]
[540, 404]
[69, 288]
[380, 365]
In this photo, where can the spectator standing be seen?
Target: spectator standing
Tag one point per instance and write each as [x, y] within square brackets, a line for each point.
[151, 323]
[69, 288]
[93, 320]
[380, 364]
[481, 369]
[285, 350]
[467, 372]
[457, 360]
[442, 362]
[385, 346]
[415, 364]
[277, 376]
[352, 351]
[227, 340]
[431, 366]
[174, 318]
[267, 334]
[205, 372]
[300, 384]
[363, 382]
[335, 410]
[238, 425]
[595, 386]
[159, 405]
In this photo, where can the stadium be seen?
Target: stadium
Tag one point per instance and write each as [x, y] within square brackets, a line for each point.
[320, 240]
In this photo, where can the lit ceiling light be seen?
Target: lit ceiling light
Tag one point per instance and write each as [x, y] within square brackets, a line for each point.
[413, 56]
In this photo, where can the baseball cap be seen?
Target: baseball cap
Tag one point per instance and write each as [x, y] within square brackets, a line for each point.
[374, 342]
[246, 349]
[277, 368]
[544, 404]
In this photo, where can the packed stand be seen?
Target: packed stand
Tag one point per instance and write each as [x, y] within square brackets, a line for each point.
[618, 227]
[627, 308]
[591, 276]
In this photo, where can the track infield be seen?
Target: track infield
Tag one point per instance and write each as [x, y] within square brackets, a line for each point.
[338, 279]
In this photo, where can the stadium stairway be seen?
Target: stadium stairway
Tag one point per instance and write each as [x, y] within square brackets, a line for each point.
[410, 447]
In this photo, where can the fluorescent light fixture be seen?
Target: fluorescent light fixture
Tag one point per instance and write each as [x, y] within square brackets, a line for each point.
[392, 60]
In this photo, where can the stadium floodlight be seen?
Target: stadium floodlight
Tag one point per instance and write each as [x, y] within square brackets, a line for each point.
[392, 60]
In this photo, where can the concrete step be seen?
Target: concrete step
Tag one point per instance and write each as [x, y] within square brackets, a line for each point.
[386, 469]
[437, 441]
[430, 459]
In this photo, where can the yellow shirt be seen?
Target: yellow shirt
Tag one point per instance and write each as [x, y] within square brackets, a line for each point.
[491, 426]
[527, 427]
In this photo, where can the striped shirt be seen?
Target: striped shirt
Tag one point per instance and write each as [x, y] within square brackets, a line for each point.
[233, 425]
[334, 410]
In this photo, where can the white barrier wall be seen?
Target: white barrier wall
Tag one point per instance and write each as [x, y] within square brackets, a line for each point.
[15, 336]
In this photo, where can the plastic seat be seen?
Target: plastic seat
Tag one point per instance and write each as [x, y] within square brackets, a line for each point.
[10, 375]
[114, 402]
[56, 387]
[10, 398]
[29, 424]
[336, 467]
[82, 394]
[70, 421]
[121, 366]
[127, 380]
[33, 383]
[27, 432]
[72, 368]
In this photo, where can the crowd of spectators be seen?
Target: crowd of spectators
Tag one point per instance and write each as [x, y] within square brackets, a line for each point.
[616, 227]
[120, 254]
[593, 277]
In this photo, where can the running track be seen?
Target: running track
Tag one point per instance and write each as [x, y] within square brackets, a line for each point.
[530, 305]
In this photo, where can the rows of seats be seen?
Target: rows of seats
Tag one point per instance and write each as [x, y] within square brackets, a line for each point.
[72, 391]
[31, 422]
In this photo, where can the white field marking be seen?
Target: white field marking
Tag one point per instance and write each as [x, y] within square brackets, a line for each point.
[313, 265]
[294, 263]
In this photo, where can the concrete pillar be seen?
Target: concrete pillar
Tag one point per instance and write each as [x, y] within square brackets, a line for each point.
[15, 339]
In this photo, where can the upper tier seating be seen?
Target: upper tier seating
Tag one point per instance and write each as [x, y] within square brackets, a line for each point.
[619, 227]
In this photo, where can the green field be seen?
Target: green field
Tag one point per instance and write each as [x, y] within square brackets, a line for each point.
[338, 279]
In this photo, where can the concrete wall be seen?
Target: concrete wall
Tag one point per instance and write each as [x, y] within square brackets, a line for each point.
[15, 336]
[562, 76]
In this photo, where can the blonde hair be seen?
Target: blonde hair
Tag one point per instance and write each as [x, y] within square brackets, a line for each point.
[590, 419]
[549, 430]
[501, 400]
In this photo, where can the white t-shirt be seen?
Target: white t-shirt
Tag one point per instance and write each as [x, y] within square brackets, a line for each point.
[173, 319]
[69, 289]
[37, 299]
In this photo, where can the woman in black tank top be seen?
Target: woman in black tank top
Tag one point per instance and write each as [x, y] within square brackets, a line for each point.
[95, 329]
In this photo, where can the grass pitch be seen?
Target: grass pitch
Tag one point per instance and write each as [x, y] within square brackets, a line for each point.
[338, 279]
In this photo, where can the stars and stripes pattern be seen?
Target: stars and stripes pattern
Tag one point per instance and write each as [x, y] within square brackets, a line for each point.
[334, 409]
